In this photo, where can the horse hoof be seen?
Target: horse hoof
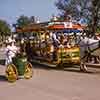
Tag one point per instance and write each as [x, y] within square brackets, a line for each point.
[83, 69]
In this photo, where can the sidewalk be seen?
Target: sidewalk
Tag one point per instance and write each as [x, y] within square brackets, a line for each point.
[2, 53]
[2, 57]
[2, 69]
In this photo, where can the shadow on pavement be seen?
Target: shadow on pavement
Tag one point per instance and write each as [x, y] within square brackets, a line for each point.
[67, 69]
[3, 78]
[2, 62]
[40, 66]
[77, 70]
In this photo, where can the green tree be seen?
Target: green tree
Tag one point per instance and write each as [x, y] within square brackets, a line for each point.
[79, 9]
[22, 21]
[95, 16]
[4, 29]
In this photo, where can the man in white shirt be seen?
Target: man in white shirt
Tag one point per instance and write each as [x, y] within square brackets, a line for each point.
[11, 51]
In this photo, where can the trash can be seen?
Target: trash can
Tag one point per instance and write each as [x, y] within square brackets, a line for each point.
[20, 63]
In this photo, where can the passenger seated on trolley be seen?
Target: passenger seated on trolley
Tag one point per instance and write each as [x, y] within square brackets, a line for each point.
[69, 42]
[52, 52]
[10, 52]
[56, 41]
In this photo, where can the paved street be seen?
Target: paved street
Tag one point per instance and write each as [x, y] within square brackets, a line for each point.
[52, 84]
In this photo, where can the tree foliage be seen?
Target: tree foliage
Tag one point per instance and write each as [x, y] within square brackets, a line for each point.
[24, 21]
[4, 28]
[81, 9]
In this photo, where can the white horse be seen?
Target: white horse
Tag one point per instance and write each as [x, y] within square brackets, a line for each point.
[88, 44]
[89, 50]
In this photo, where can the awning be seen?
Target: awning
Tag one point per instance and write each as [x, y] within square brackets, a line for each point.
[62, 27]
[69, 31]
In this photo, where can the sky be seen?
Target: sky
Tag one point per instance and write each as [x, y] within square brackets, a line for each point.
[10, 10]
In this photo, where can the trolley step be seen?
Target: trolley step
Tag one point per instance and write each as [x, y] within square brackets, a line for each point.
[93, 65]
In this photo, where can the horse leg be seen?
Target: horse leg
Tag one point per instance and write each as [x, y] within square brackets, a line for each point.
[83, 67]
[97, 59]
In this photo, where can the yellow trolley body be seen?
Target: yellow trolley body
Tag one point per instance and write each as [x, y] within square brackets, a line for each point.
[69, 55]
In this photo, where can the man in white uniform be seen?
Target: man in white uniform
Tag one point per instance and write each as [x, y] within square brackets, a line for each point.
[11, 51]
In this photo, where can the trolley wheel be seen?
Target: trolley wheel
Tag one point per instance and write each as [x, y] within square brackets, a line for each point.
[28, 71]
[11, 73]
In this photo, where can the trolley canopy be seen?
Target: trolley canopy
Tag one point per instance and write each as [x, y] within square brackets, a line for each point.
[66, 27]
[32, 27]
[73, 27]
